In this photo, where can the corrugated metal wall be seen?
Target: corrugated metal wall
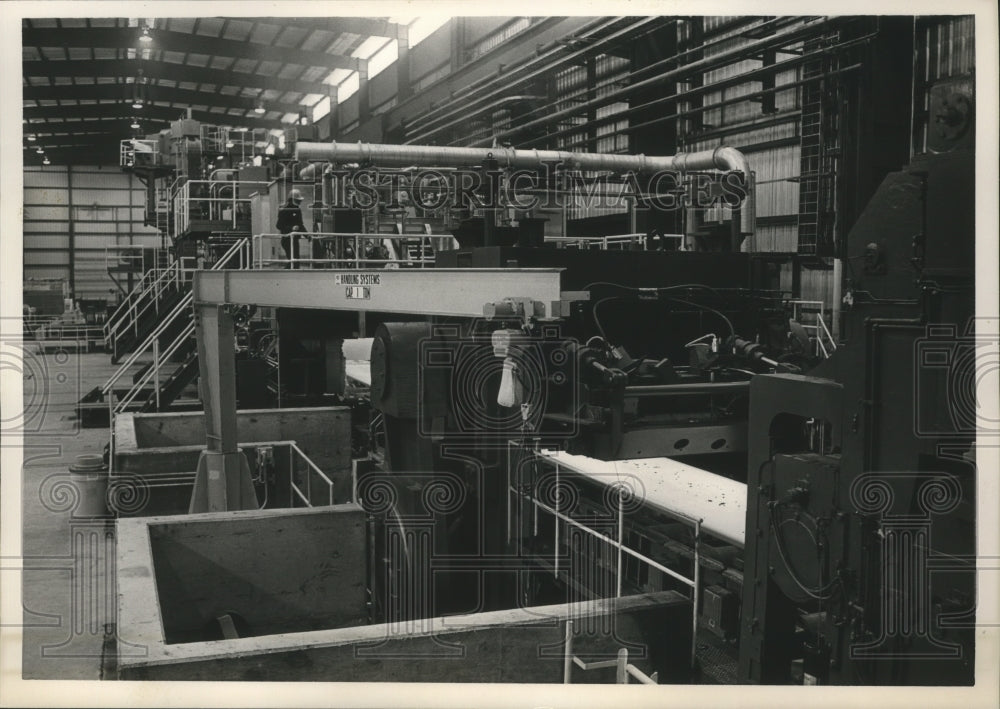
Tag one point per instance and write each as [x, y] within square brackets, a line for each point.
[104, 208]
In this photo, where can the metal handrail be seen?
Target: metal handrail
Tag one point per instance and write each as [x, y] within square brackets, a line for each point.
[182, 199]
[152, 342]
[357, 240]
[307, 495]
[58, 331]
[817, 308]
[618, 544]
[129, 252]
[127, 150]
[153, 371]
[822, 324]
[237, 248]
[135, 293]
[174, 274]
[147, 344]
[114, 408]
[623, 668]
[603, 242]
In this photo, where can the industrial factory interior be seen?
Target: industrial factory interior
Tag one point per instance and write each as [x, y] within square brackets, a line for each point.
[578, 350]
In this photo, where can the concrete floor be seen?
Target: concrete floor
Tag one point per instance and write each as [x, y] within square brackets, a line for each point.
[68, 579]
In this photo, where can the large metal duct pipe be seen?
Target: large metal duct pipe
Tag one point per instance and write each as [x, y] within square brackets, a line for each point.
[722, 158]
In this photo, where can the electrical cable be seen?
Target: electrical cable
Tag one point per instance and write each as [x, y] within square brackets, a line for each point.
[821, 593]
[729, 323]
[597, 320]
[658, 289]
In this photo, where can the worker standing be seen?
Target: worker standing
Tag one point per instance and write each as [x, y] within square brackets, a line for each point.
[290, 222]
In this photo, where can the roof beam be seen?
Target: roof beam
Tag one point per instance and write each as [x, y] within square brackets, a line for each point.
[116, 125]
[126, 38]
[173, 72]
[148, 112]
[154, 92]
[364, 26]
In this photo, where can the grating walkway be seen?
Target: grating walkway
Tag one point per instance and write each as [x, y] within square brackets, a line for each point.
[717, 662]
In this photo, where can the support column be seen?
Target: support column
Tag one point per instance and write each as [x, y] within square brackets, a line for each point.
[222, 482]
[72, 232]
[404, 85]
[334, 117]
[457, 43]
[364, 94]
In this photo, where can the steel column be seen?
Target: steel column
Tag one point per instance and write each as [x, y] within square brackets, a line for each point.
[222, 481]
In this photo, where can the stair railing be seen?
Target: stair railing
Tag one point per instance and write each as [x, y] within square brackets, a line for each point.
[239, 252]
[149, 299]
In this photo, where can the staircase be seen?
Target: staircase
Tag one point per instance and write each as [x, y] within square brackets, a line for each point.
[170, 342]
[416, 248]
[157, 293]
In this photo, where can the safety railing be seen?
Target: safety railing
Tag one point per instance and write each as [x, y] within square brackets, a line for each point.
[151, 344]
[237, 256]
[130, 257]
[608, 243]
[53, 330]
[145, 151]
[355, 250]
[138, 291]
[148, 292]
[148, 299]
[304, 492]
[623, 668]
[617, 543]
[212, 200]
[819, 333]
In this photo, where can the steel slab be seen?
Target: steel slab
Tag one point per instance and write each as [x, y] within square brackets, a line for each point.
[671, 486]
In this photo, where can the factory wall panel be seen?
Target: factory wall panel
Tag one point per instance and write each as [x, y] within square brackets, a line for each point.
[46, 212]
[348, 111]
[477, 28]
[383, 87]
[432, 53]
[46, 177]
[543, 32]
[103, 209]
[50, 196]
[817, 284]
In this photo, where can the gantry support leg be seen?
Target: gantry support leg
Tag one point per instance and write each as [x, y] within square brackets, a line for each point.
[222, 482]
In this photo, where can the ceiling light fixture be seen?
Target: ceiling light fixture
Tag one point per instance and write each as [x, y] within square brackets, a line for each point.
[31, 137]
[139, 91]
[46, 161]
[145, 36]
[259, 107]
[135, 124]
[230, 143]
[40, 150]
